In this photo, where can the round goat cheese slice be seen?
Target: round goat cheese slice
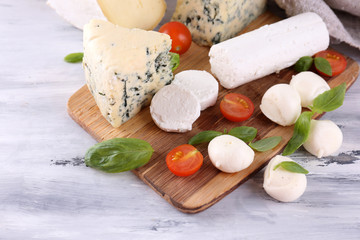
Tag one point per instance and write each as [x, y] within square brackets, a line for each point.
[174, 109]
[201, 83]
[281, 104]
[309, 85]
[324, 139]
[281, 184]
[230, 154]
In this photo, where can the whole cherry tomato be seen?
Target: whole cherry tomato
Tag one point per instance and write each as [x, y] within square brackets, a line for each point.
[179, 34]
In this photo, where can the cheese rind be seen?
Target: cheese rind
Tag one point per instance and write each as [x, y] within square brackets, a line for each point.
[77, 12]
[143, 14]
[201, 83]
[124, 68]
[268, 49]
[213, 21]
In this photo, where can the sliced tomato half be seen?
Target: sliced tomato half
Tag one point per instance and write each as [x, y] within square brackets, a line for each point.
[337, 62]
[184, 160]
[236, 107]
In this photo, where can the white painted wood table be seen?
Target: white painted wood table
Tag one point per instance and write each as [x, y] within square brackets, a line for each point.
[46, 192]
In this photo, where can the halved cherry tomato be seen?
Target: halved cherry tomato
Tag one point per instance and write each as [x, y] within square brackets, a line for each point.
[184, 160]
[236, 107]
[179, 34]
[336, 60]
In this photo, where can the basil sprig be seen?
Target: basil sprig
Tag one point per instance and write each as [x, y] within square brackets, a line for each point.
[174, 60]
[325, 102]
[291, 166]
[301, 133]
[204, 137]
[119, 154]
[265, 144]
[247, 134]
[74, 57]
[303, 64]
[329, 100]
[323, 65]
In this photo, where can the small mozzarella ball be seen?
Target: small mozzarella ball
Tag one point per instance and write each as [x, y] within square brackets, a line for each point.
[325, 138]
[230, 154]
[309, 85]
[281, 104]
[281, 184]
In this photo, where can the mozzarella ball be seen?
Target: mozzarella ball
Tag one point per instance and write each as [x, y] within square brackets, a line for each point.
[325, 138]
[281, 104]
[309, 85]
[281, 184]
[230, 154]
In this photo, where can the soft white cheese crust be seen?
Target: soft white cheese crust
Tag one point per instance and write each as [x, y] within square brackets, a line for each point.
[309, 85]
[268, 49]
[77, 12]
[201, 83]
[174, 109]
[283, 185]
[281, 104]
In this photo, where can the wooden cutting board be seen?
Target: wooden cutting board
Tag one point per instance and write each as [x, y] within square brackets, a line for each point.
[201, 190]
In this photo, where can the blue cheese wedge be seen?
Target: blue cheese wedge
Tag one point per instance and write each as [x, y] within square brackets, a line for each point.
[124, 68]
[213, 21]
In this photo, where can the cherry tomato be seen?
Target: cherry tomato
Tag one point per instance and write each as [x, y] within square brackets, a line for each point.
[179, 34]
[184, 160]
[236, 107]
[336, 60]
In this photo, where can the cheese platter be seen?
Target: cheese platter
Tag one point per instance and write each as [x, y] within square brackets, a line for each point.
[209, 185]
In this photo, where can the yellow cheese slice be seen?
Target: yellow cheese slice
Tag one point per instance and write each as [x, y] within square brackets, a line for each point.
[143, 14]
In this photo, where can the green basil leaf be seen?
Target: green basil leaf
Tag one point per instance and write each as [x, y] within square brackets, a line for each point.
[323, 65]
[74, 57]
[174, 60]
[265, 144]
[329, 100]
[300, 134]
[247, 134]
[119, 154]
[203, 137]
[303, 64]
[291, 166]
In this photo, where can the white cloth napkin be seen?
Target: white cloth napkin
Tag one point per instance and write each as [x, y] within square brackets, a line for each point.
[343, 24]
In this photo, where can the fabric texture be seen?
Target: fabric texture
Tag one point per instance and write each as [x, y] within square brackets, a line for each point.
[342, 17]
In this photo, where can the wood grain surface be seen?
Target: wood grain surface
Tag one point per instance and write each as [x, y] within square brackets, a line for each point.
[201, 190]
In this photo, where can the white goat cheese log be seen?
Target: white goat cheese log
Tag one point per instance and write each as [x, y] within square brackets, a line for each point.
[201, 83]
[175, 109]
[213, 21]
[268, 49]
[124, 68]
